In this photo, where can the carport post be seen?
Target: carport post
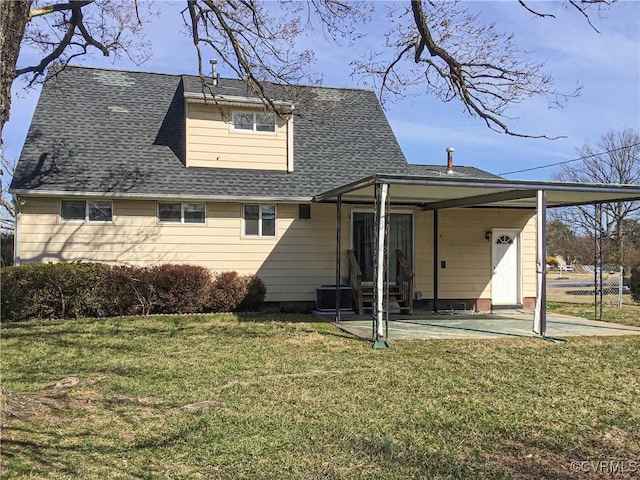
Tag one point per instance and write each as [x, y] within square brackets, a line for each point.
[338, 259]
[380, 338]
[540, 316]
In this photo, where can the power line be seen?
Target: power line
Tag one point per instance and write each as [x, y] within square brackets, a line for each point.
[569, 161]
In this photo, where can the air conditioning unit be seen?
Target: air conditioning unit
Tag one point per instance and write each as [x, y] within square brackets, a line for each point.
[326, 298]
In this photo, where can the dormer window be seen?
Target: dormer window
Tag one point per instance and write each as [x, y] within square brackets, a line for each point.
[260, 122]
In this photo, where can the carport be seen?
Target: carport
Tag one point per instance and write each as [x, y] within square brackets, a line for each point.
[450, 191]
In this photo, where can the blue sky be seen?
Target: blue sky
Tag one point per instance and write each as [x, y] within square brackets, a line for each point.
[607, 64]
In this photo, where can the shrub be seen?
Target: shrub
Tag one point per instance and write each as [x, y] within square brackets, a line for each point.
[54, 290]
[254, 298]
[6, 249]
[129, 291]
[72, 290]
[634, 284]
[180, 288]
[228, 290]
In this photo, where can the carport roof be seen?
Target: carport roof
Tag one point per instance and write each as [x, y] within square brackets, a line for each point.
[434, 193]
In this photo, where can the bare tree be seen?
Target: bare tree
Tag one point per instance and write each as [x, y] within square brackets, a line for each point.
[450, 52]
[62, 31]
[614, 159]
[7, 208]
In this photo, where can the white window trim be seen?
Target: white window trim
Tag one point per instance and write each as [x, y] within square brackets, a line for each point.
[259, 235]
[181, 222]
[86, 212]
[254, 131]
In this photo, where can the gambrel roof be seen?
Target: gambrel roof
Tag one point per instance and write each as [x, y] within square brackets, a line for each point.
[100, 131]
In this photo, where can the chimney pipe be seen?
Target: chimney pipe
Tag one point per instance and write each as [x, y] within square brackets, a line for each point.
[450, 160]
[215, 76]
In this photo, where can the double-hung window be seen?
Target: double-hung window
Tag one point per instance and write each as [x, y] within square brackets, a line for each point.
[259, 220]
[253, 122]
[87, 210]
[181, 212]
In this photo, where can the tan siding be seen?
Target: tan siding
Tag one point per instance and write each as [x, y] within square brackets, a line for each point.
[467, 253]
[212, 143]
[293, 265]
[423, 248]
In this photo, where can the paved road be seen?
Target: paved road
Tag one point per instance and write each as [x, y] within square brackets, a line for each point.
[605, 283]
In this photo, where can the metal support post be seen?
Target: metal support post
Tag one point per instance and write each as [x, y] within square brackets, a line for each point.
[540, 316]
[435, 261]
[620, 286]
[380, 337]
[338, 259]
[597, 267]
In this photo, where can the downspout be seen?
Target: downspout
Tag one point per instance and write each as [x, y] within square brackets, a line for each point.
[16, 231]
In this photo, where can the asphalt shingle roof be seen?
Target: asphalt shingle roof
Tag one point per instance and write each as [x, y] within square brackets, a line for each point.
[110, 131]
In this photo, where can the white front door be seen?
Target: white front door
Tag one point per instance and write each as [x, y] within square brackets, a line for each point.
[506, 267]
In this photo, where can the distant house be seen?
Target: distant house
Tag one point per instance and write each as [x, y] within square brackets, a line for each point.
[144, 168]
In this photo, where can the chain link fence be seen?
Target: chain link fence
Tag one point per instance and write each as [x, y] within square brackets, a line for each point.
[586, 284]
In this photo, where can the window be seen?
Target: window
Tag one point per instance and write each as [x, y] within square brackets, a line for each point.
[260, 220]
[87, 210]
[181, 212]
[504, 240]
[254, 122]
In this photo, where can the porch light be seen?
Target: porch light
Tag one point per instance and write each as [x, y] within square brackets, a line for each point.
[487, 235]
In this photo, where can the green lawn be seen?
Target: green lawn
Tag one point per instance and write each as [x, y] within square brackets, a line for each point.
[290, 398]
[628, 314]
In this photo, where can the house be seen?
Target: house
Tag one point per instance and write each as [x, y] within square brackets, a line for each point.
[144, 168]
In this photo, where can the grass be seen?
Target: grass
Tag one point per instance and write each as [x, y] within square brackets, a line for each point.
[627, 314]
[284, 397]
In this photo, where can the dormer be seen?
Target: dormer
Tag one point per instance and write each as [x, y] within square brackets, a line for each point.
[224, 131]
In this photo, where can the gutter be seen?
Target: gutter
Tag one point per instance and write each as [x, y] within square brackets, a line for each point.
[233, 100]
[514, 184]
[152, 196]
[481, 183]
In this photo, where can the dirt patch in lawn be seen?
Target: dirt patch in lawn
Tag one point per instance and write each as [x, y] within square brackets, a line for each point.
[51, 398]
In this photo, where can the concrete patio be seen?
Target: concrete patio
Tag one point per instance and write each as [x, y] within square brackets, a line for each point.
[502, 324]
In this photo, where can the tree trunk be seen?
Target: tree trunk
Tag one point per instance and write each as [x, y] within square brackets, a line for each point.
[13, 20]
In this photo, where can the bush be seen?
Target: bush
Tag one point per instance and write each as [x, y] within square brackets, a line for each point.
[129, 291]
[55, 290]
[180, 288]
[634, 284]
[72, 290]
[254, 297]
[6, 249]
[231, 292]
[228, 290]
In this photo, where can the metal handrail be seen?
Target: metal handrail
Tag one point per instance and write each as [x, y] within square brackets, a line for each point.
[404, 279]
[355, 281]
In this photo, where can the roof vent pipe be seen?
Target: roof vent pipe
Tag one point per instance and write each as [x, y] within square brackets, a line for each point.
[450, 160]
[215, 76]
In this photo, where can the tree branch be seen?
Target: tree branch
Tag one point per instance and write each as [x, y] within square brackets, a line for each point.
[58, 7]
[523, 4]
[76, 17]
[457, 79]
